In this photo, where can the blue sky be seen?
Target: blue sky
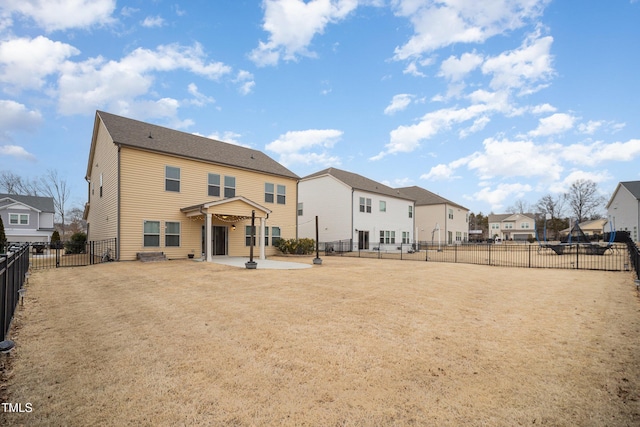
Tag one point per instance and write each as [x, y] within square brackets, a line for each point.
[483, 102]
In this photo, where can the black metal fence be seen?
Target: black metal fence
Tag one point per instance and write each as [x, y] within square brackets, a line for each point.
[14, 266]
[634, 251]
[70, 253]
[614, 257]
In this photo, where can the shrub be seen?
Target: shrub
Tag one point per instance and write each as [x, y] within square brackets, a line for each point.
[3, 237]
[77, 244]
[296, 246]
[55, 240]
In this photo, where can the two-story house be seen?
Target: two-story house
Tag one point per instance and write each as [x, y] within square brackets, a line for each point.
[624, 208]
[512, 226]
[160, 190]
[352, 207]
[437, 219]
[27, 218]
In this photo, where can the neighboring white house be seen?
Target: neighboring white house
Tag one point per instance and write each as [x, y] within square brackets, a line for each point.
[352, 207]
[438, 220]
[624, 208]
[512, 226]
[27, 218]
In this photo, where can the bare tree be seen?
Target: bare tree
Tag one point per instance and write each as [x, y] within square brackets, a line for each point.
[554, 208]
[519, 206]
[584, 199]
[11, 183]
[76, 223]
[52, 185]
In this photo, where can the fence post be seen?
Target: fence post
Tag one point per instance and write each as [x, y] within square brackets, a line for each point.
[529, 256]
[489, 246]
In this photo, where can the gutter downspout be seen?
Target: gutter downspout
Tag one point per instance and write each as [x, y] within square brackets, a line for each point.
[352, 229]
[119, 218]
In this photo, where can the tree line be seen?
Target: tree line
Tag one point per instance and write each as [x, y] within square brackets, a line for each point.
[582, 202]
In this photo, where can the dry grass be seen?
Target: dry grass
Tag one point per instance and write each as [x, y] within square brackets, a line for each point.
[354, 342]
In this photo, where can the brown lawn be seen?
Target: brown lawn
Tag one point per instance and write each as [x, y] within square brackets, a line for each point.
[354, 342]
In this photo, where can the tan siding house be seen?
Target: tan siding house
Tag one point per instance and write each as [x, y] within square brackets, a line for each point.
[160, 190]
[438, 220]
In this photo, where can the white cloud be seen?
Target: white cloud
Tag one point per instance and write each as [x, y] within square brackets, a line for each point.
[55, 15]
[599, 152]
[477, 126]
[16, 117]
[302, 147]
[199, 99]
[24, 62]
[564, 185]
[405, 139]
[230, 137]
[543, 109]
[97, 83]
[245, 79]
[412, 69]
[553, 125]
[440, 24]
[590, 127]
[526, 68]
[292, 24]
[398, 103]
[16, 151]
[439, 173]
[496, 197]
[152, 22]
[506, 158]
[455, 69]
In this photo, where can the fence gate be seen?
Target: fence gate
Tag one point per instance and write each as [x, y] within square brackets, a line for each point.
[71, 254]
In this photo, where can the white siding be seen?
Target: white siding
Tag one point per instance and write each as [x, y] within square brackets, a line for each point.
[395, 218]
[330, 200]
[624, 210]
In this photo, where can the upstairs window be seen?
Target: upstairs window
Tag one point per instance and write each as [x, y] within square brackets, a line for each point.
[229, 187]
[213, 185]
[410, 211]
[172, 179]
[383, 206]
[450, 213]
[19, 219]
[300, 209]
[268, 192]
[282, 190]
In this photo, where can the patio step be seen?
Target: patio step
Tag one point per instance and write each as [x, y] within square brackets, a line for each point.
[151, 256]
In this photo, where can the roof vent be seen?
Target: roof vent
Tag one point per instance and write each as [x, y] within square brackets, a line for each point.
[150, 137]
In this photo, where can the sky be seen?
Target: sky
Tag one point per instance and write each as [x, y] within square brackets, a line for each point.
[484, 103]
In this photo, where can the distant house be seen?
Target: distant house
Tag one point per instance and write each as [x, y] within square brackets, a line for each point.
[160, 190]
[624, 208]
[354, 208]
[512, 226]
[27, 218]
[596, 227]
[438, 219]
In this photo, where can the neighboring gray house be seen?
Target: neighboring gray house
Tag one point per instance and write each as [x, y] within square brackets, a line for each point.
[624, 208]
[27, 218]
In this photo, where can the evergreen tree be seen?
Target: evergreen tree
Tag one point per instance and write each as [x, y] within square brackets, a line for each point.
[3, 237]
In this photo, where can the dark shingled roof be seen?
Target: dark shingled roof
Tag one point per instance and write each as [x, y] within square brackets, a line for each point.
[43, 204]
[426, 198]
[633, 187]
[359, 182]
[145, 136]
